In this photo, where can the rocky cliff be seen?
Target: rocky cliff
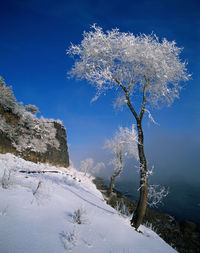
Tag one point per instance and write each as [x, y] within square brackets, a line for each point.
[23, 134]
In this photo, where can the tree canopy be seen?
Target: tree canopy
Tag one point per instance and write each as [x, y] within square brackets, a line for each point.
[116, 59]
[124, 141]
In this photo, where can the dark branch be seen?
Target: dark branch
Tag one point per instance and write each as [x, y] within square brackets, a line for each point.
[38, 171]
[37, 187]
[143, 104]
[143, 99]
[127, 97]
[47, 171]
[131, 107]
[120, 84]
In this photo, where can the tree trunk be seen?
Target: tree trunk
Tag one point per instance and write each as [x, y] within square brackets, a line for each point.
[116, 173]
[142, 204]
[112, 179]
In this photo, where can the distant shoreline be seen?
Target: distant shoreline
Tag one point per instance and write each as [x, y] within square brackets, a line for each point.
[181, 202]
[183, 236]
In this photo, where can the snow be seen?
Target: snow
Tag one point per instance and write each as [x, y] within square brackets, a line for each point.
[39, 214]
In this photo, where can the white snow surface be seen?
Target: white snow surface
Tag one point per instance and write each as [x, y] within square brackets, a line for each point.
[38, 214]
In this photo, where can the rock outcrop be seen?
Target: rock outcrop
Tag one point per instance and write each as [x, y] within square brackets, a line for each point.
[23, 134]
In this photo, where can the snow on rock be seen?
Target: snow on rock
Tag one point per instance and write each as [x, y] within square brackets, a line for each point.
[62, 212]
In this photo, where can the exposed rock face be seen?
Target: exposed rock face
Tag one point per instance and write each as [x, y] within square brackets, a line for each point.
[14, 131]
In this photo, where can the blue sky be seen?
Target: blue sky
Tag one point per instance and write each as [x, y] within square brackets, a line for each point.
[34, 37]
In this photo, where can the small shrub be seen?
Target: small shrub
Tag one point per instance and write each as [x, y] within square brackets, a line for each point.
[3, 212]
[122, 209]
[5, 181]
[156, 194]
[86, 165]
[151, 226]
[79, 216]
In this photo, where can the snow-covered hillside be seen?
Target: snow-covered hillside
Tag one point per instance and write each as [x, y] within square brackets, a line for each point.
[61, 212]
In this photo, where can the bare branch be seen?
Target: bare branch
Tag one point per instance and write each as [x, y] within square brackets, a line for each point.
[143, 103]
[120, 84]
[39, 183]
[131, 107]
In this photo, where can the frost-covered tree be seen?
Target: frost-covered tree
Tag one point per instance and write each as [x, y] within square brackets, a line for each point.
[156, 194]
[124, 143]
[86, 165]
[32, 108]
[98, 167]
[7, 98]
[133, 65]
[2, 82]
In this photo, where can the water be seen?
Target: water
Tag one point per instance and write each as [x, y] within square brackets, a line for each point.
[182, 202]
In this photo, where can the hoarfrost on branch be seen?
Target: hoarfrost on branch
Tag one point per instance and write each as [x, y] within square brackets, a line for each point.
[115, 59]
[125, 140]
